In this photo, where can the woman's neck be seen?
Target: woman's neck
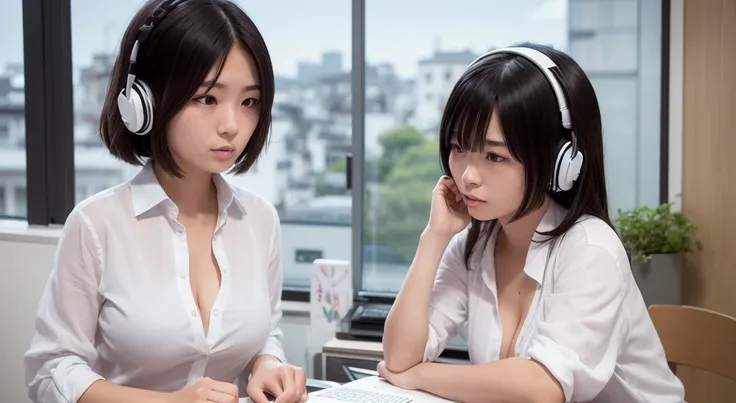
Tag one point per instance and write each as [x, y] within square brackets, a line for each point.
[194, 194]
[516, 237]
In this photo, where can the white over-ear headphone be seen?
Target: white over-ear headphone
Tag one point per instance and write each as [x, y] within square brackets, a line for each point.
[135, 101]
[568, 160]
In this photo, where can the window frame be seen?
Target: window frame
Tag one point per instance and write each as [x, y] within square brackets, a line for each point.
[49, 111]
[49, 114]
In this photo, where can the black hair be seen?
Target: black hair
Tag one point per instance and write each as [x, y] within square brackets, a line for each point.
[182, 49]
[515, 88]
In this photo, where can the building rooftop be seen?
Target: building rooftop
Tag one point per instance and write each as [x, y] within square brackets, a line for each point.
[457, 57]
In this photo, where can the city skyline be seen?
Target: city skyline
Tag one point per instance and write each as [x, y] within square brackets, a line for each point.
[302, 172]
[97, 30]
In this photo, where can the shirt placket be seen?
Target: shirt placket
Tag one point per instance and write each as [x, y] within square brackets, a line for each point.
[181, 265]
[494, 331]
[223, 295]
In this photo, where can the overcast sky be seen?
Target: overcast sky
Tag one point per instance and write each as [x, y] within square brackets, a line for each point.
[397, 31]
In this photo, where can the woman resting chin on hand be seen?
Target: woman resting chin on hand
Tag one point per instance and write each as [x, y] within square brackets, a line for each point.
[539, 277]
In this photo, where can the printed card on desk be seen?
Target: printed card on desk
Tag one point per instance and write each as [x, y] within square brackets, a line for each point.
[331, 295]
[330, 299]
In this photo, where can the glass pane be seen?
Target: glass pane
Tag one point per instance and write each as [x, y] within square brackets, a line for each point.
[97, 28]
[407, 85]
[302, 173]
[13, 201]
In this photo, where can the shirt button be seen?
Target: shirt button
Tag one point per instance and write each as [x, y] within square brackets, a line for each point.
[216, 312]
[194, 313]
[183, 275]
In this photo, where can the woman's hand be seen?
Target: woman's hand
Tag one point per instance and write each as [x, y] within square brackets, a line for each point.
[205, 391]
[449, 214]
[287, 383]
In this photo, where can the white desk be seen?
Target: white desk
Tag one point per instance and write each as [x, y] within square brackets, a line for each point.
[374, 384]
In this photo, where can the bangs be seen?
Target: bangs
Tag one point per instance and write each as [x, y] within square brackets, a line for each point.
[213, 80]
[195, 42]
[468, 111]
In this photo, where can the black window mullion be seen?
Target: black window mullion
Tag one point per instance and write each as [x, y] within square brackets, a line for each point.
[49, 108]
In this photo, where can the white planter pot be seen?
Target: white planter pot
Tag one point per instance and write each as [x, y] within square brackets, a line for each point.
[660, 279]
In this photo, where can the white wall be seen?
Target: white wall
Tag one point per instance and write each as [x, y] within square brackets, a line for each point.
[332, 241]
[25, 262]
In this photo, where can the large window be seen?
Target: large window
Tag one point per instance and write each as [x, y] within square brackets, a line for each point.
[12, 113]
[369, 77]
[412, 66]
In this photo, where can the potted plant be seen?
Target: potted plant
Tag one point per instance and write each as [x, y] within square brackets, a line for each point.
[656, 239]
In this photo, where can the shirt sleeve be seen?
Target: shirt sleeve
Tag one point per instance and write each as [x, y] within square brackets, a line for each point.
[579, 339]
[448, 306]
[274, 345]
[57, 364]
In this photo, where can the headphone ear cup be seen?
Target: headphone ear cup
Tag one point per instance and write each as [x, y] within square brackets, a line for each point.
[567, 168]
[136, 110]
[127, 109]
[146, 106]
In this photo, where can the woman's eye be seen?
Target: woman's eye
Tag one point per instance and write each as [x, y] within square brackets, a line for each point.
[494, 157]
[250, 103]
[206, 100]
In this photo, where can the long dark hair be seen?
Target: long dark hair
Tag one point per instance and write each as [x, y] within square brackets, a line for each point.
[530, 120]
[193, 38]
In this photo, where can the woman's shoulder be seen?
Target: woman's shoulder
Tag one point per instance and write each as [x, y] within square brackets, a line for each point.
[106, 203]
[594, 232]
[592, 239]
[253, 203]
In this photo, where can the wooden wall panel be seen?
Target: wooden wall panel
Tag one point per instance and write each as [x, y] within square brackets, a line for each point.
[709, 171]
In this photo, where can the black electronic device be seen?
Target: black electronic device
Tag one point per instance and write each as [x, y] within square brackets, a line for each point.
[368, 320]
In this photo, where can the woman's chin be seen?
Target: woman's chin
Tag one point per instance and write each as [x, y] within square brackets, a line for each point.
[482, 214]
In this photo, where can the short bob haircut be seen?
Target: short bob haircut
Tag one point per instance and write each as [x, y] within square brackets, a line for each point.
[513, 87]
[183, 48]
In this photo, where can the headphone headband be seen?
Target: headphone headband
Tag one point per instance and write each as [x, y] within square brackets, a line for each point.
[144, 32]
[545, 65]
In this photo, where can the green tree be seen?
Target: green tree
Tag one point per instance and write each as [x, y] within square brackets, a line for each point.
[338, 166]
[322, 188]
[395, 144]
[405, 198]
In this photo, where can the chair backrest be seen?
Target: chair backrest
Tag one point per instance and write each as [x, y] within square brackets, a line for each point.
[697, 338]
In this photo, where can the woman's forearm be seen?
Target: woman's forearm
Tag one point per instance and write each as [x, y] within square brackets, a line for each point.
[406, 330]
[514, 380]
[106, 392]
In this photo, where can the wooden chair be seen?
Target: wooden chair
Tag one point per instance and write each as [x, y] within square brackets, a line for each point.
[697, 338]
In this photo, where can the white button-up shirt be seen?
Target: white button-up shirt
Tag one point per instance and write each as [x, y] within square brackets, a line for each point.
[587, 324]
[119, 306]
